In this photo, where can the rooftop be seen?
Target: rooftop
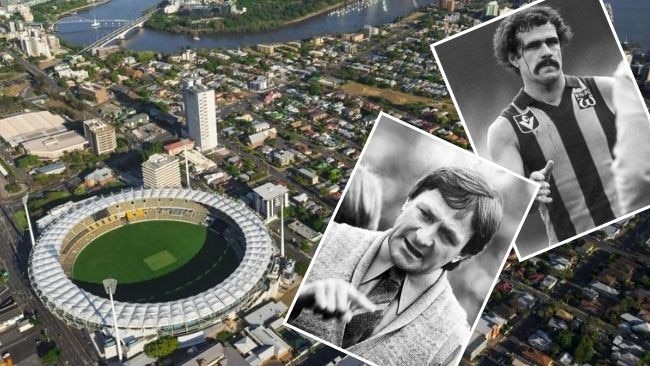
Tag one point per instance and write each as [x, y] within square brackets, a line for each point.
[96, 124]
[51, 168]
[265, 313]
[157, 161]
[99, 174]
[28, 126]
[270, 191]
[55, 142]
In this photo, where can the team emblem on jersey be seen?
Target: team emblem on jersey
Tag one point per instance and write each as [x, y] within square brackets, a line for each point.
[585, 99]
[527, 122]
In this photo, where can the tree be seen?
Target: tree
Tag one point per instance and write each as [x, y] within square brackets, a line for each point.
[52, 356]
[79, 190]
[584, 351]
[564, 338]
[12, 187]
[315, 88]
[645, 359]
[115, 76]
[161, 347]
[248, 164]
[27, 161]
[144, 56]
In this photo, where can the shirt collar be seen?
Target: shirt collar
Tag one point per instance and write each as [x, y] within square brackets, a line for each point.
[413, 285]
[523, 100]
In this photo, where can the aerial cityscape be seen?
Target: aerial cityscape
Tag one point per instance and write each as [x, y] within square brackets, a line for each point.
[167, 170]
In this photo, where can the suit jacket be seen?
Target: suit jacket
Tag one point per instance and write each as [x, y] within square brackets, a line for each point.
[429, 332]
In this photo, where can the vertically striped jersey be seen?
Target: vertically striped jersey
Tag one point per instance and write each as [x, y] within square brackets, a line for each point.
[578, 135]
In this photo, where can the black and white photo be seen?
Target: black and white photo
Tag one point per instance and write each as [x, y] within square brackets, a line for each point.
[546, 92]
[414, 248]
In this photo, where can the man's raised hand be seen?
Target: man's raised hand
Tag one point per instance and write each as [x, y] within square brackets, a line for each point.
[542, 177]
[332, 297]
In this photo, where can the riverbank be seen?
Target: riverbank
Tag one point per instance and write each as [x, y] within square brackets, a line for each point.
[217, 25]
[375, 13]
[317, 13]
[90, 5]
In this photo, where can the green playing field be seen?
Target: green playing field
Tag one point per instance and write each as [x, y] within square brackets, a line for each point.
[139, 252]
[155, 261]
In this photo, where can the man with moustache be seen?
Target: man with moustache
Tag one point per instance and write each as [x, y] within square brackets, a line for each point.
[384, 296]
[559, 130]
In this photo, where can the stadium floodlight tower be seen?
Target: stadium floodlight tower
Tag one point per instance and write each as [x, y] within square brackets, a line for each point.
[29, 222]
[187, 170]
[282, 227]
[109, 286]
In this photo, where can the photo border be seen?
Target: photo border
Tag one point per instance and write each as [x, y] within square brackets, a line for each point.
[469, 136]
[473, 155]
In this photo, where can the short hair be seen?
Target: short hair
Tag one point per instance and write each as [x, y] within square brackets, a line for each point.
[361, 205]
[467, 191]
[505, 38]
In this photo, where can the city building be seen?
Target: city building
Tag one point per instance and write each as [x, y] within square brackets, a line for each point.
[94, 93]
[99, 177]
[198, 162]
[449, 5]
[505, 10]
[492, 9]
[307, 176]
[161, 171]
[283, 158]
[265, 48]
[257, 139]
[40, 133]
[305, 231]
[51, 169]
[259, 83]
[200, 113]
[54, 146]
[64, 71]
[27, 126]
[54, 44]
[33, 44]
[260, 126]
[268, 200]
[103, 52]
[101, 136]
[178, 147]
[265, 314]
[136, 120]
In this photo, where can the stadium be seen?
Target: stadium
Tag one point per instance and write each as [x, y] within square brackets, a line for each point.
[168, 286]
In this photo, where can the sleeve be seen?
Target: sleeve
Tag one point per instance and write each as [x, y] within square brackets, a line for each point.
[632, 152]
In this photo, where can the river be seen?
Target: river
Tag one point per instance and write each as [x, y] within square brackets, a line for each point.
[631, 20]
[381, 12]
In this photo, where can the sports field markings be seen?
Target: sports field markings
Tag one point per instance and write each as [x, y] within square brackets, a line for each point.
[159, 260]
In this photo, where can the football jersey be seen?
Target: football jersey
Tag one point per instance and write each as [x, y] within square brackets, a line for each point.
[579, 136]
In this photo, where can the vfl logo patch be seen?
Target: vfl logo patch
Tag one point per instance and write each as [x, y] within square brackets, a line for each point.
[527, 122]
[585, 99]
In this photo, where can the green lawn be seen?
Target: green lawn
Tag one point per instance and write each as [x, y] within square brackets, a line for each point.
[135, 252]
[155, 261]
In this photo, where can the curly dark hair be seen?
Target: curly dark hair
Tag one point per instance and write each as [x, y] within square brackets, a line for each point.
[505, 38]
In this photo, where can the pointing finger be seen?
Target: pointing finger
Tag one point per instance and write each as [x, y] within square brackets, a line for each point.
[358, 298]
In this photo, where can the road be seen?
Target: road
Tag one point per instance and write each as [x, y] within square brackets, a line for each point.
[14, 253]
[37, 73]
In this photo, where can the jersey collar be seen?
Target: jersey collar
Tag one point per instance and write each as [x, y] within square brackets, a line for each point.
[523, 100]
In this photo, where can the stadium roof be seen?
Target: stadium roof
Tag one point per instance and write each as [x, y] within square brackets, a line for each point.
[64, 298]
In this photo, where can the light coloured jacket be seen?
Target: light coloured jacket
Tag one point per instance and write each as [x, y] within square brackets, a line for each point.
[429, 332]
